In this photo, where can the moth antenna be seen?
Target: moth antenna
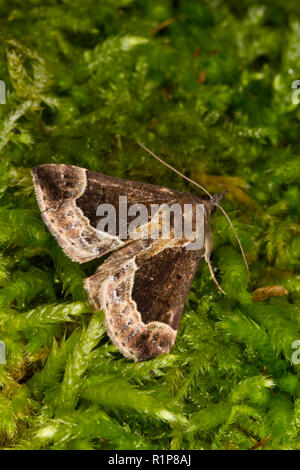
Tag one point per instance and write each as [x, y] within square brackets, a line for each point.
[173, 169]
[235, 234]
[207, 192]
[213, 276]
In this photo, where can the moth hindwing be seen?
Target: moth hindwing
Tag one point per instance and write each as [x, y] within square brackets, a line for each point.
[143, 285]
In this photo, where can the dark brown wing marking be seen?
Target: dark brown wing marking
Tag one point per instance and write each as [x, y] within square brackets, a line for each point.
[162, 282]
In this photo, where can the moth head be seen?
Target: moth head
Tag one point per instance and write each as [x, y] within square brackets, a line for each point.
[212, 202]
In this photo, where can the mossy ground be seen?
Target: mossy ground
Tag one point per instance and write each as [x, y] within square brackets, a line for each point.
[206, 85]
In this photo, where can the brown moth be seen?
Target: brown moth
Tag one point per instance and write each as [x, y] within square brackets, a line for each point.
[143, 285]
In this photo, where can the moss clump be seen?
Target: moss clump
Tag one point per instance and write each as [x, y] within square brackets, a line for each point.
[208, 85]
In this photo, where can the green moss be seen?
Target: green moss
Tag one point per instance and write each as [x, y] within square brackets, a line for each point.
[211, 91]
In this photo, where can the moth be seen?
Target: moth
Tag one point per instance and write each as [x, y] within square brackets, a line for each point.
[142, 286]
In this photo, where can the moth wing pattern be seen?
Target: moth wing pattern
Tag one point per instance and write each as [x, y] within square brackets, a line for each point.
[68, 197]
[142, 288]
